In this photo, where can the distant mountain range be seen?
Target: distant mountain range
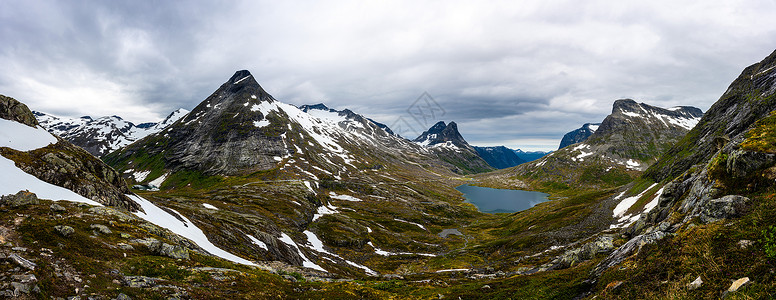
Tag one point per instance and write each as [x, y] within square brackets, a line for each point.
[103, 135]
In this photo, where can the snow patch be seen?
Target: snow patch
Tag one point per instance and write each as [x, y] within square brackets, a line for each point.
[140, 175]
[306, 262]
[21, 137]
[324, 210]
[626, 203]
[15, 180]
[257, 242]
[343, 197]
[413, 223]
[185, 228]
[260, 124]
[208, 206]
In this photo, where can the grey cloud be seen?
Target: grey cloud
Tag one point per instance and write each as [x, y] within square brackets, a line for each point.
[530, 69]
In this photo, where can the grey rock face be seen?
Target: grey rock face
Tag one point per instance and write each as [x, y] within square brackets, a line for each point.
[447, 143]
[723, 208]
[11, 109]
[71, 167]
[584, 253]
[629, 248]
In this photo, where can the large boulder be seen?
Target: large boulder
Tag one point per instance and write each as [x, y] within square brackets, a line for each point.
[11, 109]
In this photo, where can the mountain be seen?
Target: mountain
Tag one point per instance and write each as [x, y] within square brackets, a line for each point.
[625, 144]
[529, 156]
[447, 143]
[712, 190]
[579, 135]
[105, 134]
[499, 157]
[315, 188]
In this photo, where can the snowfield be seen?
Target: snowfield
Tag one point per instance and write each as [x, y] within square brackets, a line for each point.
[21, 137]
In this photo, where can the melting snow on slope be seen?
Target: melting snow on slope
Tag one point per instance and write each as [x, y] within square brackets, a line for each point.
[14, 180]
[21, 137]
[379, 251]
[185, 228]
[257, 242]
[619, 211]
[158, 181]
[413, 223]
[208, 206]
[307, 263]
[324, 210]
[140, 175]
[343, 197]
[317, 245]
[260, 124]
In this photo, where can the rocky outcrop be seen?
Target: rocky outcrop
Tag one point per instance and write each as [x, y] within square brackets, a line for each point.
[22, 198]
[71, 167]
[11, 109]
[66, 165]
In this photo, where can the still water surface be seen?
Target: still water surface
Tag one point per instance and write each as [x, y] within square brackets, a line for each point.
[489, 200]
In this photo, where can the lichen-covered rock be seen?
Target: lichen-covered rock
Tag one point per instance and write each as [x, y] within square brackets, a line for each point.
[22, 261]
[57, 208]
[723, 208]
[101, 228]
[585, 252]
[11, 109]
[22, 198]
[64, 230]
[176, 252]
[629, 248]
[140, 281]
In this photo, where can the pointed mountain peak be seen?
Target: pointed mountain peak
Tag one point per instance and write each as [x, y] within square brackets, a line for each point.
[442, 133]
[438, 127]
[241, 77]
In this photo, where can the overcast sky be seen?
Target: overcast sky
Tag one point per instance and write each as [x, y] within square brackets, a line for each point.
[514, 73]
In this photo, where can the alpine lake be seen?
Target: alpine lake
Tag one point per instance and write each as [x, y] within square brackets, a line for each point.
[490, 200]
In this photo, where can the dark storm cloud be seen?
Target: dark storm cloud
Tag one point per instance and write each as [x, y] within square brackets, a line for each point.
[519, 73]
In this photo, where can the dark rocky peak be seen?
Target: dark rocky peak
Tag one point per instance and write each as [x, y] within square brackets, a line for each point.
[146, 125]
[237, 129]
[11, 109]
[441, 133]
[319, 106]
[578, 135]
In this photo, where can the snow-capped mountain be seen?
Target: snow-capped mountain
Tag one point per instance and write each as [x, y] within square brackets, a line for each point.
[297, 167]
[102, 135]
[626, 143]
[446, 142]
[578, 135]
